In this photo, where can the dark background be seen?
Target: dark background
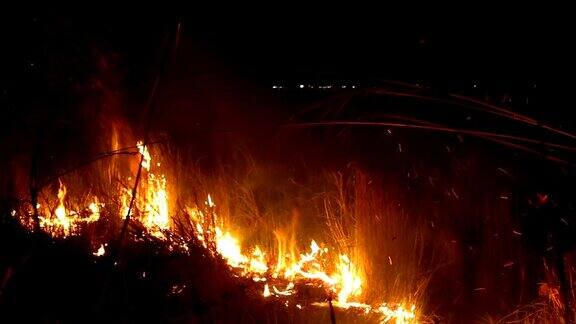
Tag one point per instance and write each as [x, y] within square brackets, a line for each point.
[499, 52]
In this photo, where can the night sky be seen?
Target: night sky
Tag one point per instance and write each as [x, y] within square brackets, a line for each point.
[532, 57]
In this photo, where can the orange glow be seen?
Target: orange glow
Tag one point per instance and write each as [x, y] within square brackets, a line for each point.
[154, 198]
[279, 272]
[65, 222]
[335, 272]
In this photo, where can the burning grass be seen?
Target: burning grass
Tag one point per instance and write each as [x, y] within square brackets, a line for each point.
[414, 231]
[276, 264]
[288, 247]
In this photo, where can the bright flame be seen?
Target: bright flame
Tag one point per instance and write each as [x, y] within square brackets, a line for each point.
[400, 314]
[289, 290]
[65, 222]
[100, 252]
[258, 261]
[319, 266]
[336, 273]
[209, 202]
[152, 197]
[60, 211]
[156, 213]
[95, 210]
[156, 207]
[266, 292]
[350, 283]
[229, 248]
[146, 159]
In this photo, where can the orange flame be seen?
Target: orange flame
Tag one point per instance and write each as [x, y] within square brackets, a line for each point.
[281, 273]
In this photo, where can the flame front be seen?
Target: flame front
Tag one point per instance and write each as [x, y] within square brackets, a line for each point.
[280, 273]
[335, 273]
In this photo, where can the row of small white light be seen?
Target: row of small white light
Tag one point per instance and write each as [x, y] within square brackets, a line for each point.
[311, 86]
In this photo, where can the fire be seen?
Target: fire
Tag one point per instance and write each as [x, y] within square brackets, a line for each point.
[65, 222]
[155, 198]
[100, 252]
[334, 272]
[156, 206]
[228, 247]
[281, 273]
[146, 159]
[258, 261]
[350, 284]
[400, 314]
[95, 209]
[60, 211]
[151, 205]
[266, 292]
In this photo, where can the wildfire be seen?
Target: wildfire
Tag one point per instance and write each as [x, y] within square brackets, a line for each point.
[65, 222]
[280, 274]
[335, 273]
[399, 313]
[155, 198]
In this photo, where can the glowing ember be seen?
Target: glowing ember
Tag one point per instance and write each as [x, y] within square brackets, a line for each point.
[399, 314]
[258, 261]
[101, 251]
[95, 210]
[266, 292]
[289, 290]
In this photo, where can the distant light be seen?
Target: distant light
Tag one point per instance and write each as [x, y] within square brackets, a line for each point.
[343, 87]
[301, 86]
[274, 87]
[353, 87]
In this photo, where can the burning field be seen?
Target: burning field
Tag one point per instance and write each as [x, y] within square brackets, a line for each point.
[274, 263]
[187, 198]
